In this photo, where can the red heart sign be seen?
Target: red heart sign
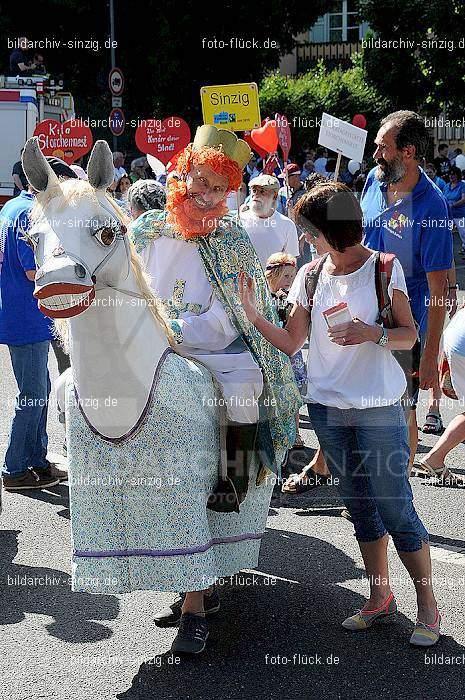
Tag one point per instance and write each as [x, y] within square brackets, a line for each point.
[283, 130]
[265, 136]
[163, 139]
[68, 141]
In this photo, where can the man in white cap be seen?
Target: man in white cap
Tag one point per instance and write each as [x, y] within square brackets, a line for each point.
[269, 231]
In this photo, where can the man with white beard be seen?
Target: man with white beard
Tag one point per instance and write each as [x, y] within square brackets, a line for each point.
[269, 231]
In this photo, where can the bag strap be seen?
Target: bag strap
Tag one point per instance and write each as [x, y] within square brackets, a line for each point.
[312, 275]
[384, 264]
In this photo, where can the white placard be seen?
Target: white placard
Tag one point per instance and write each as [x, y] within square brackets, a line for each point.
[342, 137]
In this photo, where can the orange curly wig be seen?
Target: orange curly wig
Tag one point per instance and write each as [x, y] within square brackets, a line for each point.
[184, 217]
[215, 159]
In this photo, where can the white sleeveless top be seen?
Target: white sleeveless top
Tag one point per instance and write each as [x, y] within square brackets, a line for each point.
[351, 376]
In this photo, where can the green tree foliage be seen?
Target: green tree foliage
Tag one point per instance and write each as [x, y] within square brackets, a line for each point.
[429, 74]
[161, 48]
[303, 99]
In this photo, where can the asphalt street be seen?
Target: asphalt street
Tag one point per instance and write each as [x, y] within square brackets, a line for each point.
[278, 634]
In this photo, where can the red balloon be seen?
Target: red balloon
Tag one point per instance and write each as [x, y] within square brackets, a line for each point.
[266, 136]
[248, 139]
[360, 121]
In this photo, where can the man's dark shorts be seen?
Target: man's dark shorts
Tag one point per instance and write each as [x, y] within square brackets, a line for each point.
[409, 360]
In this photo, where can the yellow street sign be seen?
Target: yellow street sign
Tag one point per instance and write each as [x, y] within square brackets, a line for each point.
[233, 107]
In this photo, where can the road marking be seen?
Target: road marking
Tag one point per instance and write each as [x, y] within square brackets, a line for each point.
[451, 555]
[447, 554]
[272, 576]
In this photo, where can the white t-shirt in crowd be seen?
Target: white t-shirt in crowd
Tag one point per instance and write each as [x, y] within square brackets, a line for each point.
[231, 200]
[119, 172]
[350, 376]
[275, 234]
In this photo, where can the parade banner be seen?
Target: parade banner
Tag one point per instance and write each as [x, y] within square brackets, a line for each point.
[343, 138]
[163, 139]
[271, 164]
[68, 141]
[283, 130]
[233, 107]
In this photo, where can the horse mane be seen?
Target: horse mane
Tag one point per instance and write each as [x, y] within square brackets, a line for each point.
[71, 191]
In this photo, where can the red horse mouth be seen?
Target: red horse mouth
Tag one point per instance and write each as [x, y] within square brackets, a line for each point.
[62, 300]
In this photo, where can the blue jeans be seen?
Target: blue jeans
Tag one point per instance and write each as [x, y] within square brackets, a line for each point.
[27, 446]
[368, 451]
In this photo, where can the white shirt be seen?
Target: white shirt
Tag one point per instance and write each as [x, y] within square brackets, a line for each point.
[351, 376]
[179, 279]
[119, 172]
[231, 200]
[275, 234]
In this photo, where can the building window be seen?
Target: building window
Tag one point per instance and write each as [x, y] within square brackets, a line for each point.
[341, 23]
[335, 27]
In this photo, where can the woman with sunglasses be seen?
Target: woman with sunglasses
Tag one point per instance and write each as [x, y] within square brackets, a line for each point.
[354, 387]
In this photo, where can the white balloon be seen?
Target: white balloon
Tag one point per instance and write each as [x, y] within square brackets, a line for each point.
[156, 165]
[353, 167]
[460, 161]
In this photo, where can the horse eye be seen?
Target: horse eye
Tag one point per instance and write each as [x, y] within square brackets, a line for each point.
[105, 235]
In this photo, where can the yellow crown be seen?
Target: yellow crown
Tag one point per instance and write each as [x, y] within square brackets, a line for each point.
[225, 141]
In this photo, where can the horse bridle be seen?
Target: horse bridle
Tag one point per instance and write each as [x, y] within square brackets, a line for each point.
[120, 234]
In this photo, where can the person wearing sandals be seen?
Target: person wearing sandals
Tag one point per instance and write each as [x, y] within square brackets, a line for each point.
[353, 397]
[434, 462]
[280, 271]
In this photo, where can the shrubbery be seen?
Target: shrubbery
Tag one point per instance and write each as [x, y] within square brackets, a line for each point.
[304, 98]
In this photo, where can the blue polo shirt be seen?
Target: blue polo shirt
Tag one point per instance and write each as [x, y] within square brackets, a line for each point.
[439, 182]
[417, 229]
[21, 322]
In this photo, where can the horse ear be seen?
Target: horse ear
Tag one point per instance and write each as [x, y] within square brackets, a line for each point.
[37, 170]
[100, 170]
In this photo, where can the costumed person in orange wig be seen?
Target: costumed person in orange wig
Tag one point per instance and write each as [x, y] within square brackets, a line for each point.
[194, 252]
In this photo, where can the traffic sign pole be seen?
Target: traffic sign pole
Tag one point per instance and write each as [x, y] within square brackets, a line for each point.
[113, 56]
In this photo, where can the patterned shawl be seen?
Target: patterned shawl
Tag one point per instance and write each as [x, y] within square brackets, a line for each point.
[225, 252]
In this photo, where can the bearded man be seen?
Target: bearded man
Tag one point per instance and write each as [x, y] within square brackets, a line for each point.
[269, 231]
[194, 252]
[405, 214]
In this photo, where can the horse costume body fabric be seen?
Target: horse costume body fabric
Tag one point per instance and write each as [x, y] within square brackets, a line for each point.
[142, 422]
[138, 511]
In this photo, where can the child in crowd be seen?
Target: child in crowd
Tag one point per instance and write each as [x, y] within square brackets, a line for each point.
[280, 272]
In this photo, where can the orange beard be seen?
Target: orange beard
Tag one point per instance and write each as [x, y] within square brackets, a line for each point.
[186, 217]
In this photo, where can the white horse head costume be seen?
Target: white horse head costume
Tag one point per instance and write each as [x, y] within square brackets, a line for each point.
[142, 422]
[89, 273]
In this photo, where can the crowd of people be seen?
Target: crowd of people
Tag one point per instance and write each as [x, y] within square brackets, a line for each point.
[359, 264]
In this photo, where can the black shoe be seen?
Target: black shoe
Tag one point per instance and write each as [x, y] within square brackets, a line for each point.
[29, 480]
[52, 472]
[171, 615]
[192, 635]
